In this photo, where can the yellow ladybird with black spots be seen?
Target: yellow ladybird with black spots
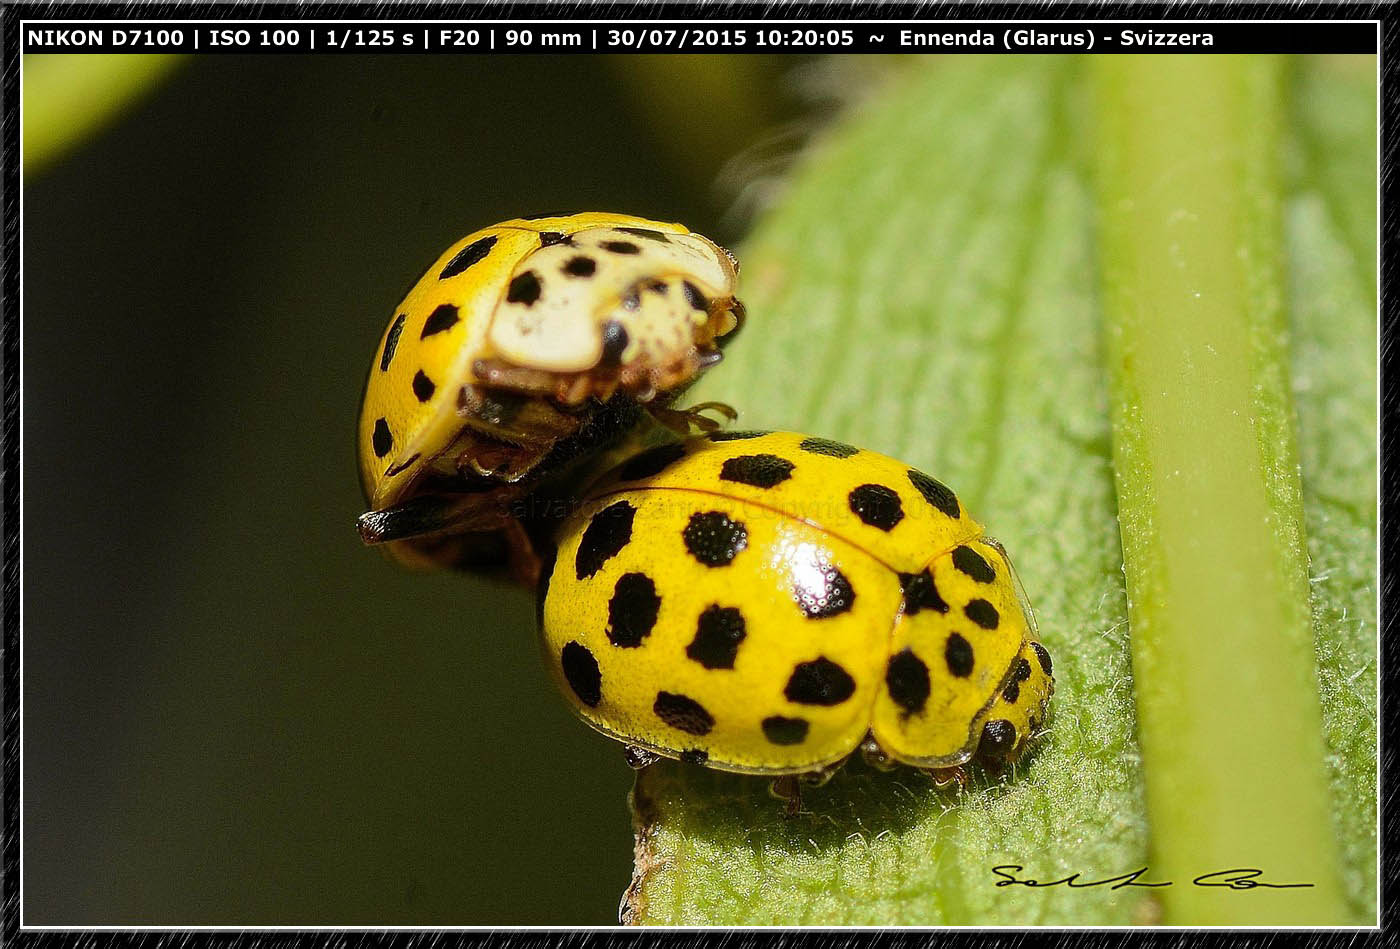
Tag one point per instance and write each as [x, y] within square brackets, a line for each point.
[769, 603]
[527, 344]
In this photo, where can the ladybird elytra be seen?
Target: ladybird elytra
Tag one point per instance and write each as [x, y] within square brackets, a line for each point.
[517, 336]
[769, 603]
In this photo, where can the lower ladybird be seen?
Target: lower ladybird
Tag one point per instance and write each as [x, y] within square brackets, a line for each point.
[770, 603]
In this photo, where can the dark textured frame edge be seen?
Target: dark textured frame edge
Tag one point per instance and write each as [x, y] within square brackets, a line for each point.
[1389, 352]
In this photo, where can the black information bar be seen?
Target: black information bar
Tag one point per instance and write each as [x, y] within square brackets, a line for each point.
[696, 36]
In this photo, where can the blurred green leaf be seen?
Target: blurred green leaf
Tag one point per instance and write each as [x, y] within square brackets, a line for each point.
[698, 106]
[68, 97]
[928, 288]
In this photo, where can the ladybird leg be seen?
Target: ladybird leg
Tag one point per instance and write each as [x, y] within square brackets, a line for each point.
[788, 789]
[684, 421]
[675, 420]
[723, 408]
[507, 433]
[500, 461]
[639, 758]
[819, 777]
[523, 562]
[942, 777]
[496, 374]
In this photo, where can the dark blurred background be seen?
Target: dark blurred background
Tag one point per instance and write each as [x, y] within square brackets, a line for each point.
[234, 713]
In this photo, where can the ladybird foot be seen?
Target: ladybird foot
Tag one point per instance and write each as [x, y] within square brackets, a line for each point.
[789, 790]
[942, 777]
[685, 421]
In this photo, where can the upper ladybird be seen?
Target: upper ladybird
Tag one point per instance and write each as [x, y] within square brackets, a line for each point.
[526, 344]
[771, 602]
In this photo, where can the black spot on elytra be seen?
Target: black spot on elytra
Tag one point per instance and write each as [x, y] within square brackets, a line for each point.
[718, 633]
[735, 436]
[695, 756]
[646, 233]
[524, 289]
[473, 253]
[632, 610]
[582, 674]
[694, 297]
[958, 654]
[819, 682]
[550, 238]
[615, 340]
[822, 592]
[621, 247]
[383, 440]
[970, 562]
[982, 613]
[580, 266]
[423, 387]
[876, 505]
[713, 539]
[825, 446]
[908, 681]
[935, 492]
[683, 713]
[651, 462]
[1042, 655]
[391, 342]
[998, 737]
[785, 731]
[659, 287]
[1011, 693]
[1022, 669]
[443, 318]
[759, 471]
[607, 533]
[631, 300]
[920, 593]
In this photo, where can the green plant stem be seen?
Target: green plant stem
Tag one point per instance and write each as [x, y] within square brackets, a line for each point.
[1209, 496]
